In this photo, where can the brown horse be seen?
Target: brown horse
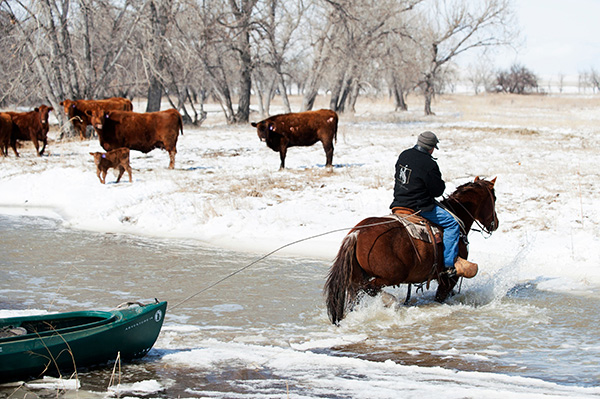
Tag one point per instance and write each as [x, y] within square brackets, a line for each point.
[379, 252]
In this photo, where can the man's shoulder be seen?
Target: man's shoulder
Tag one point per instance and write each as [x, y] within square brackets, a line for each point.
[409, 152]
[416, 155]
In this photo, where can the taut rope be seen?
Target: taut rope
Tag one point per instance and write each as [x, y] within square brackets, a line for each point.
[392, 220]
[274, 251]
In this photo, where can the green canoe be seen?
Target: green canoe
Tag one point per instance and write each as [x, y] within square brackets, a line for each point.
[58, 344]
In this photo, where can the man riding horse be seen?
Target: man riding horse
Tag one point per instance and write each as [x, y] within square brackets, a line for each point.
[418, 182]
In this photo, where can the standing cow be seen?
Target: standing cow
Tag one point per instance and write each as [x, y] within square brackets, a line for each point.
[299, 129]
[138, 131]
[5, 132]
[32, 125]
[77, 110]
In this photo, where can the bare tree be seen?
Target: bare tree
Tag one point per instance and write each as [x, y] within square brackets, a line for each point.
[188, 50]
[15, 72]
[452, 27]
[203, 33]
[400, 59]
[241, 26]
[518, 80]
[561, 82]
[184, 77]
[61, 40]
[220, 38]
[480, 74]
[363, 30]
[593, 79]
[277, 30]
[153, 50]
[321, 34]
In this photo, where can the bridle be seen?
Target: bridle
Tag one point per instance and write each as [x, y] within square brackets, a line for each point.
[481, 228]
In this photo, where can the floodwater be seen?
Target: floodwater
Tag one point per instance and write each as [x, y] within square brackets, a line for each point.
[263, 331]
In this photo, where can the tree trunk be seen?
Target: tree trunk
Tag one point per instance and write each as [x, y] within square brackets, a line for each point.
[270, 93]
[261, 101]
[159, 20]
[155, 91]
[336, 92]
[88, 55]
[399, 101]
[311, 89]
[309, 98]
[398, 95]
[353, 97]
[284, 97]
[243, 112]
[428, 93]
[242, 14]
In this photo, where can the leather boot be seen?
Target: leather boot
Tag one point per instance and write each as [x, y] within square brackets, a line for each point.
[464, 268]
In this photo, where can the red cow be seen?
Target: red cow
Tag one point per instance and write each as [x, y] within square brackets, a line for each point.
[32, 126]
[77, 110]
[299, 129]
[139, 131]
[5, 132]
[118, 159]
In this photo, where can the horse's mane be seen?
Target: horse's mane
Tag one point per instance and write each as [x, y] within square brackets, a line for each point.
[463, 189]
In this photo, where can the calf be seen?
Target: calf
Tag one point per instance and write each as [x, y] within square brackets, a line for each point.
[299, 129]
[32, 126]
[118, 159]
[5, 132]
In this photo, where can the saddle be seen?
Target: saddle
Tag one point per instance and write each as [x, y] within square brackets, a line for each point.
[417, 226]
[422, 229]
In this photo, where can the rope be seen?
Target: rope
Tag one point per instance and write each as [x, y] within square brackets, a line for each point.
[274, 251]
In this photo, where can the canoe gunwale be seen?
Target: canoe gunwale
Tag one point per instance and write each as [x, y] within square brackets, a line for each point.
[130, 332]
[107, 317]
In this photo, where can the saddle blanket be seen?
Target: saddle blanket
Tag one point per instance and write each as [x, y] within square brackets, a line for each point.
[417, 226]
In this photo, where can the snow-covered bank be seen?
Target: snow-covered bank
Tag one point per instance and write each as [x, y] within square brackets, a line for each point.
[226, 189]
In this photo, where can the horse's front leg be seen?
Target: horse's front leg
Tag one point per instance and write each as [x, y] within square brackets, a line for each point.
[408, 294]
[445, 286]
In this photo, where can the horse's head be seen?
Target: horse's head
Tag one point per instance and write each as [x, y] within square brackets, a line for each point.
[486, 213]
[477, 202]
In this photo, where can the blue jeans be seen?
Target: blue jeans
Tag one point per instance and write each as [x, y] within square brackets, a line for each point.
[440, 216]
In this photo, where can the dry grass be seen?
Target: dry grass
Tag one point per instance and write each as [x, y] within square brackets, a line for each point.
[534, 111]
[542, 120]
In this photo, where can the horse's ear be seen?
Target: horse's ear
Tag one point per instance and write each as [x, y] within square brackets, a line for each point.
[476, 178]
[493, 181]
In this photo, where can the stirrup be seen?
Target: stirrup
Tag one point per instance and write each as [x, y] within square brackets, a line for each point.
[450, 272]
[465, 269]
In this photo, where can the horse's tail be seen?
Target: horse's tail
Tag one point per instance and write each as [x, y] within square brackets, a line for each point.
[338, 288]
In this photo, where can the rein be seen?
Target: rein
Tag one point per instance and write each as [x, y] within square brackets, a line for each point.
[482, 229]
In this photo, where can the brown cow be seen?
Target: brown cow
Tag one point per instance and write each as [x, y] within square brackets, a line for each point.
[299, 129]
[32, 125]
[139, 131]
[118, 159]
[5, 132]
[77, 110]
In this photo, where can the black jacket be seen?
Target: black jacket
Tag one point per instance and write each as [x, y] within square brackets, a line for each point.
[418, 180]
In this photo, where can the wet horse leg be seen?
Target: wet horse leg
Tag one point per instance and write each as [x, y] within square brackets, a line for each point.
[408, 289]
[374, 287]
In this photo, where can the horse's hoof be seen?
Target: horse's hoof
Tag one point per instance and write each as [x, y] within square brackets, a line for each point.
[388, 299]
